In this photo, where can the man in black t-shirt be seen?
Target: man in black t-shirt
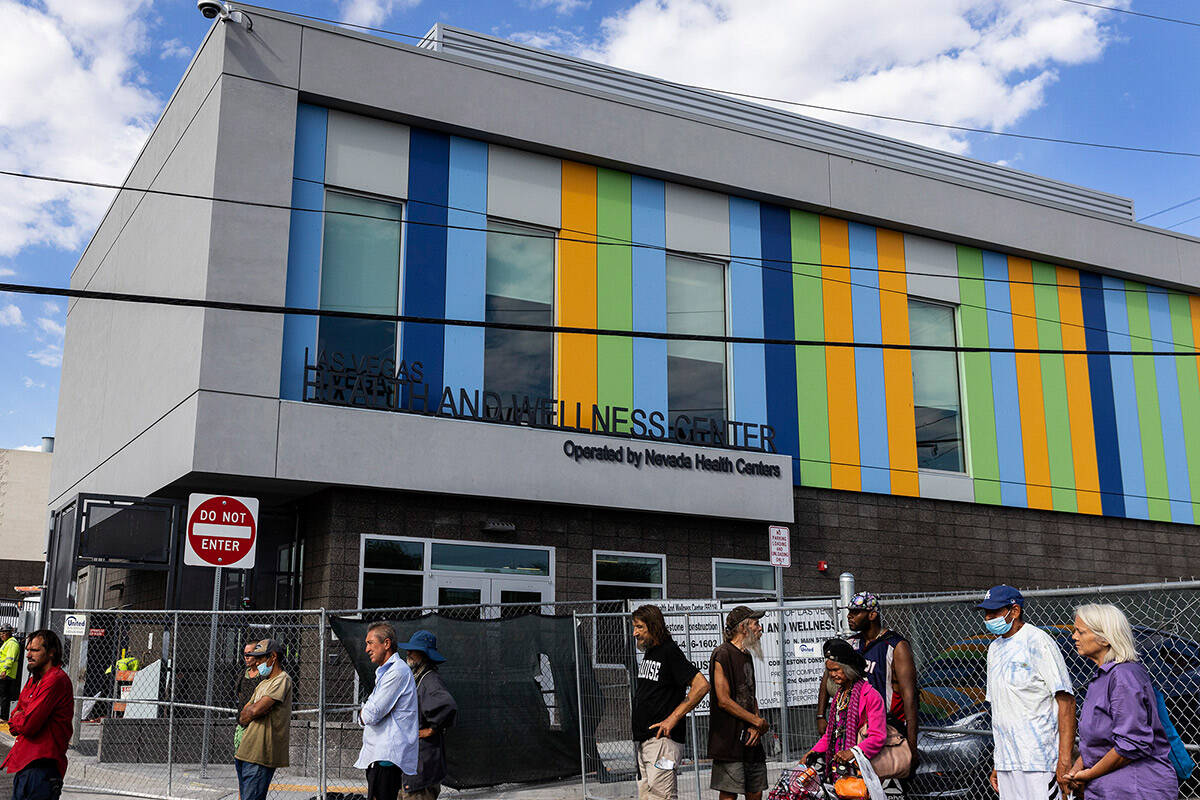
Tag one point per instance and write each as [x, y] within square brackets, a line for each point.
[668, 687]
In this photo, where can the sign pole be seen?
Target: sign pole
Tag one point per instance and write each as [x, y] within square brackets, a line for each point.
[783, 655]
[208, 687]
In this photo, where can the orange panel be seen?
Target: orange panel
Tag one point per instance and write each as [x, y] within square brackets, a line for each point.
[1079, 395]
[839, 361]
[897, 364]
[1029, 384]
[577, 291]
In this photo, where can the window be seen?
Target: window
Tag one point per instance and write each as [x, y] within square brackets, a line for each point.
[629, 576]
[935, 388]
[360, 271]
[696, 382]
[738, 578]
[393, 573]
[490, 558]
[520, 288]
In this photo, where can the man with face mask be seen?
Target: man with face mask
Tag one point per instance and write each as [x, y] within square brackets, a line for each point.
[388, 717]
[436, 711]
[1033, 708]
[267, 719]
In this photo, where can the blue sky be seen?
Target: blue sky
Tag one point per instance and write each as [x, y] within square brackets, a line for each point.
[81, 87]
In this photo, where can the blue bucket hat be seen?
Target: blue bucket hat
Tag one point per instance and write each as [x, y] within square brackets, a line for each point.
[1001, 596]
[424, 642]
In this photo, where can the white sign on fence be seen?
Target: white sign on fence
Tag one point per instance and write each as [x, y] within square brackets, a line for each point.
[75, 625]
[807, 627]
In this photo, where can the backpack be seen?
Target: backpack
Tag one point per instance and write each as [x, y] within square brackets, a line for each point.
[1180, 758]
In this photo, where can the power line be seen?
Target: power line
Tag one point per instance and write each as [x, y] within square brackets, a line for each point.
[604, 69]
[757, 262]
[262, 308]
[1170, 208]
[1134, 13]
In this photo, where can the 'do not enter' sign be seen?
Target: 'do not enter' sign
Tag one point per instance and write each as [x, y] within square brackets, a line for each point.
[221, 531]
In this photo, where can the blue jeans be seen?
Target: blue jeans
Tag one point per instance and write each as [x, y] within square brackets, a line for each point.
[38, 781]
[253, 779]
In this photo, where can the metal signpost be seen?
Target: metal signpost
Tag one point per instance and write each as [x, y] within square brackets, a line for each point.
[780, 545]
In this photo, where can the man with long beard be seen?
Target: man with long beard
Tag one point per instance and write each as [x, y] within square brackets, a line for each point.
[735, 728]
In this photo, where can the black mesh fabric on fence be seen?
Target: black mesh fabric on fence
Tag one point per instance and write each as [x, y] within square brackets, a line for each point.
[515, 684]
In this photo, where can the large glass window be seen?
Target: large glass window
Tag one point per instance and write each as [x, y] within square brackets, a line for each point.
[738, 578]
[520, 288]
[935, 388]
[629, 576]
[696, 370]
[360, 271]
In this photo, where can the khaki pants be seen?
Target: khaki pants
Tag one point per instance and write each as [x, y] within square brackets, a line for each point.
[656, 783]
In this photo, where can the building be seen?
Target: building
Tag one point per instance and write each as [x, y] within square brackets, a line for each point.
[468, 178]
[24, 487]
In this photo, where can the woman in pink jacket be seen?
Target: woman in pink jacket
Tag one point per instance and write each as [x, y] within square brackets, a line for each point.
[855, 704]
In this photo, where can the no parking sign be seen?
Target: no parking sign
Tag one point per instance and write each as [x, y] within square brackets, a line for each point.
[222, 531]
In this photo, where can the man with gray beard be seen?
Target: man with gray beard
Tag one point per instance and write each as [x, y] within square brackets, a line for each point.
[735, 728]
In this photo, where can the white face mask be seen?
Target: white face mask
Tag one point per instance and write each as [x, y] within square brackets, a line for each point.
[264, 670]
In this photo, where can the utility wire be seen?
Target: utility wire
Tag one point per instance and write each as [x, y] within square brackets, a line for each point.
[262, 308]
[1170, 208]
[1134, 13]
[756, 262]
[604, 69]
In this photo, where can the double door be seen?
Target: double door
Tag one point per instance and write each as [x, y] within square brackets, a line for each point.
[480, 591]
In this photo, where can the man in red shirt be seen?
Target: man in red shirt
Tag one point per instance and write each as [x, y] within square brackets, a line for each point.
[42, 722]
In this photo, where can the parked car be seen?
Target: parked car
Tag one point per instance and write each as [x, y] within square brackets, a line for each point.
[955, 763]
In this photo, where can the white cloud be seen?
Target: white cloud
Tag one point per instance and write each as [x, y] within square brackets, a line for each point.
[372, 12]
[51, 307]
[50, 355]
[31, 448]
[72, 103]
[11, 316]
[559, 6]
[977, 63]
[30, 383]
[174, 48]
[51, 327]
[5, 272]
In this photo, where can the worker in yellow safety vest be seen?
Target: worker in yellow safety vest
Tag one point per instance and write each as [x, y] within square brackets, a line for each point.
[10, 662]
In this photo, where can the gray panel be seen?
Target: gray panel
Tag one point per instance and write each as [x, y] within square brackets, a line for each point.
[946, 486]
[697, 220]
[235, 434]
[934, 258]
[270, 53]
[330, 444]
[367, 154]
[525, 187]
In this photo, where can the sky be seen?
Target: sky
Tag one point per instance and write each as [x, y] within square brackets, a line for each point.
[83, 82]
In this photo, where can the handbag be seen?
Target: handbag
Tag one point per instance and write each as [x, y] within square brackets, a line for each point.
[1181, 759]
[896, 758]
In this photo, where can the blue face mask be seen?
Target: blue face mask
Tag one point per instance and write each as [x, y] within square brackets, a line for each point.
[998, 625]
[264, 669]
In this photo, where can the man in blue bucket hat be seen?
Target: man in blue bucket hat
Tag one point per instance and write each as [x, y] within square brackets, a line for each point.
[436, 711]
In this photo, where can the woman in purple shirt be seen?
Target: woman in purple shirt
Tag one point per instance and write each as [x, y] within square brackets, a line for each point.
[1123, 752]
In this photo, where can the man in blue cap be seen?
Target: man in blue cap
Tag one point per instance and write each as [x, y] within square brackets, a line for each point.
[1033, 708]
[436, 711]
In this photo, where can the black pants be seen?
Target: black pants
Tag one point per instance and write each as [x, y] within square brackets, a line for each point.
[383, 783]
[39, 780]
[8, 688]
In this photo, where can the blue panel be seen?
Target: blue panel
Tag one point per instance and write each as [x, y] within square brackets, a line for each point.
[1005, 395]
[1104, 415]
[746, 311]
[779, 322]
[649, 293]
[304, 248]
[1179, 487]
[1129, 432]
[425, 253]
[868, 362]
[466, 262]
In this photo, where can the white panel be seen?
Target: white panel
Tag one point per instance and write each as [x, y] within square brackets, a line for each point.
[697, 220]
[937, 258]
[524, 187]
[367, 154]
[947, 486]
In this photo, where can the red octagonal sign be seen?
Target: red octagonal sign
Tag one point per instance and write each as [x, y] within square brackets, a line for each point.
[221, 531]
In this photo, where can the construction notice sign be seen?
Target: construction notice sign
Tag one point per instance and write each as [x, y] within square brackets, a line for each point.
[221, 531]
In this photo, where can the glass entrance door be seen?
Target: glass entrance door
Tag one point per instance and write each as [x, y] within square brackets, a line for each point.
[448, 589]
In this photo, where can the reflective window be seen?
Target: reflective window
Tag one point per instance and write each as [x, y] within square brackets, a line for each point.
[742, 578]
[390, 590]
[360, 271]
[629, 576]
[935, 388]
[696, 370]
[490, 558]
[520, 288]
[394, 554]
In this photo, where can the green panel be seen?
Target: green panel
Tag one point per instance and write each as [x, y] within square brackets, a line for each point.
[1149, 417]
[614, 289]
[1054, 388]
[812, 395]
[1189, 390]
[977, 378]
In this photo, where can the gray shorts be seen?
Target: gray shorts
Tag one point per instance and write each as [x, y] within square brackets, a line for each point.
[739, 777]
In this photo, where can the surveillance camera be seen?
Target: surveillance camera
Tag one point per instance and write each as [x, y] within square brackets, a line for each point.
[210, 8]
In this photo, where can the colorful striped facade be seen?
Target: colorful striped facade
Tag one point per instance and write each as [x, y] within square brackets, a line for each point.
[1097, 434]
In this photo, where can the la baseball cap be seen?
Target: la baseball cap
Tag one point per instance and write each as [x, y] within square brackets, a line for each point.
[1001, 596]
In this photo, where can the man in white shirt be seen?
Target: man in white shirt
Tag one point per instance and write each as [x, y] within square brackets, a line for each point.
[389, 718]
[1033, 708]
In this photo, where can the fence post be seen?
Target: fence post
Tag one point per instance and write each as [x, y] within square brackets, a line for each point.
[323, 776]
[171, 706]
[783, 699]
[579, 709]
[846, 593]
[206, 739]
[687, 635]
